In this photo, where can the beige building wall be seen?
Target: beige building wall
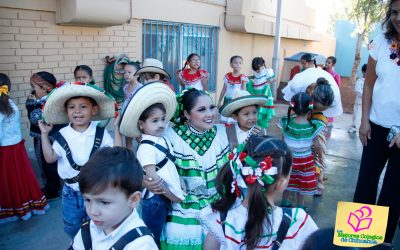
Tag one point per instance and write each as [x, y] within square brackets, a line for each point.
[31, 41]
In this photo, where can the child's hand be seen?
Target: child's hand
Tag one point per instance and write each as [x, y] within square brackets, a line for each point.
[395, 141]
[45, 128]
[116, 121]
[154, 186]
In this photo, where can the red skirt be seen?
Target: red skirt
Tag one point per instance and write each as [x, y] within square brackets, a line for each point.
[21, 195]
[303, 178]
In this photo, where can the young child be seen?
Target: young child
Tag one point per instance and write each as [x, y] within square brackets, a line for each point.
[299, 133]
[358, 88]
[110, 183]
[233, 81]
[192, 76]
[329, 65]
[260, 85]
[42, 84]
[244, 110]
[77, 103]
[131, 82]
[155, 152]
[20, 192]
[322, 96]
[84, 73]
[246, 217]
[153, 71]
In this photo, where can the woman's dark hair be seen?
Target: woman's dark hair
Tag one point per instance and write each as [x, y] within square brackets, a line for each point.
[258, 147]
[301, 106]
[111, 167]
[257, 63]
[387, 25]
[333, 59]
[364, 68]
[323, 239]
[309, 58]
[323, 92]
[49, 77]
[146, 113]
[87, 69]
[188, 60]
[5, 105]
[188, 101]
[234, 57]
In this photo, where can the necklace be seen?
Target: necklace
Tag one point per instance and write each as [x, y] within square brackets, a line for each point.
[394, 52]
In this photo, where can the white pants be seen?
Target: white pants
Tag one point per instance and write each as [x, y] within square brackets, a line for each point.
[357, 115]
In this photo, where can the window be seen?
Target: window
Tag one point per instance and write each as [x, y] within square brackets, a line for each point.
[171, 43]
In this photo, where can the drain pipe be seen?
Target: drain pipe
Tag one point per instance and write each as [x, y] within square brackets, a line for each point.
[277, 42]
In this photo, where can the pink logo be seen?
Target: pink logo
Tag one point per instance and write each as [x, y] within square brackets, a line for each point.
[359, 219]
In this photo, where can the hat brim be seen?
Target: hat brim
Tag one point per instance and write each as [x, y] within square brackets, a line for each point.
[241, 102]
[144, 97]
[54, 109]
[153, 70]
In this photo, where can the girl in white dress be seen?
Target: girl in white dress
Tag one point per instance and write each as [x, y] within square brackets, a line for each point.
[245, 217]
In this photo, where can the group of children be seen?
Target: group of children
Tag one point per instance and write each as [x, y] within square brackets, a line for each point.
[204, 185]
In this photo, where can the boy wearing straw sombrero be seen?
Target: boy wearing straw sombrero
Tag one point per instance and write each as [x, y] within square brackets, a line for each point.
[147, 118]
[153, 71]
[243, 107]
[78, 104]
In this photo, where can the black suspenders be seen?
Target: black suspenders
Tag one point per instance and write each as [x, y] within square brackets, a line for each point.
[64, 144]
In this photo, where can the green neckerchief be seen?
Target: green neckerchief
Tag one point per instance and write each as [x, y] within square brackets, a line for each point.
[199, 142]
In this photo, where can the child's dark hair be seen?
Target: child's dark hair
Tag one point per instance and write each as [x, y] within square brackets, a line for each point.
[364, 68]
[5, 105]
[257, 147]
[92, 101]
[188, 99]
[333, 59]
[188, 60]
[234, 57]
[152, 75]
[236, 112]
[146, 113]
[111, 167]
[49, 77]
[309, 58]
[134, 64]
[257, 63]
[301, 105]
[87, 69]
[323, 239]
[323, 92]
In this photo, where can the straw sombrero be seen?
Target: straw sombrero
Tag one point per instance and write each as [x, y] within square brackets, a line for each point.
[54, 110]
[241, 99]
[154, 66]
[146, 96]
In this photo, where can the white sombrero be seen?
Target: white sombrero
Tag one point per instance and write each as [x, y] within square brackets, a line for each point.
[154, 66]
[54, 109]
[146, 96]
[241, 99]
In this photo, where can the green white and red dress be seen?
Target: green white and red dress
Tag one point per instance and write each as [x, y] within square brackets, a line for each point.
[199, 156]
[260, 85]
[299, 138]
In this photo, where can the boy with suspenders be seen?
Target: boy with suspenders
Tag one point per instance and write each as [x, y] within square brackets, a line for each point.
[78, 104]
[110, 183]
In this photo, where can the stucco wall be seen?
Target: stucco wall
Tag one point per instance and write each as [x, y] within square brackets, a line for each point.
[30, 41]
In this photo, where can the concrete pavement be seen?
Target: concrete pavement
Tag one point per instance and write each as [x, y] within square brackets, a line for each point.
[344, 153]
